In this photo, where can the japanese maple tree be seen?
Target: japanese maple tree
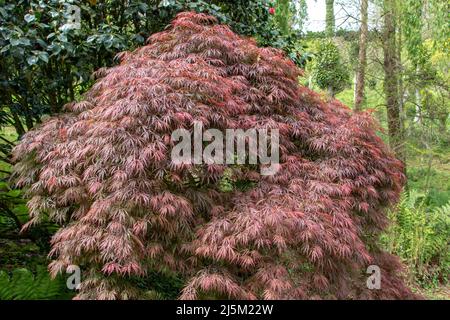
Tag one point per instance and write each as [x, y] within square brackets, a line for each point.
[103, 171]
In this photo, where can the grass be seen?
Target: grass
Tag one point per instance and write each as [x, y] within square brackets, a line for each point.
[437, 293]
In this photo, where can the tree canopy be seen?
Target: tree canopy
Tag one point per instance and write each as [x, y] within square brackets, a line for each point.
[102, 170]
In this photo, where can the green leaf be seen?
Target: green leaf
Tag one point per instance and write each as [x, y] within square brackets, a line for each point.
[32, 60]
[143, 7]
[29, 18]
[43, 56]
[55, 48]
[42, 43]
[3, 12]
[5, 48]
[67, 27]
[62, 38]
[20, 41]
[139, 38]
[91, 38]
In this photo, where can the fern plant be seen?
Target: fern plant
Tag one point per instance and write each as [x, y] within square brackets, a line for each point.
[22, 284]
[420, 237]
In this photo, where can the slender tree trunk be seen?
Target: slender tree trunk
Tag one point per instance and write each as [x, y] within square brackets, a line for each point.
[17, 123]
[11, 215]
[331, 92]
[26, 108]
[52, 94]
[26, 112]
[362, 59]
[401, 88]
[391, 82]
[330, 21]
[443, 123]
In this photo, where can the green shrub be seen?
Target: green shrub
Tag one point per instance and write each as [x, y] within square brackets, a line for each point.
[436, 180]
[419, 235]
[328, 70]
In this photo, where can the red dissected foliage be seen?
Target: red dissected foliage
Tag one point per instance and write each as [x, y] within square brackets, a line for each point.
[103, 171]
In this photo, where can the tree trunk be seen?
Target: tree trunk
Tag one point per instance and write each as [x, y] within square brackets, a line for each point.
[331, 92]
[401, 88]
[362, 59]
[330, 22]
[17, 123]
[391, 83]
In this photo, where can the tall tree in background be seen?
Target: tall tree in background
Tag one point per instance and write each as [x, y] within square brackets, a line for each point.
[391, 83]
[289, 14]
[284, 16]
[362, 59]
[330, 21]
